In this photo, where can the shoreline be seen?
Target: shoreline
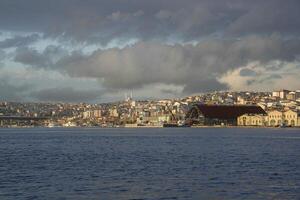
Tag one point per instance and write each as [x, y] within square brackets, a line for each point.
[148, 127]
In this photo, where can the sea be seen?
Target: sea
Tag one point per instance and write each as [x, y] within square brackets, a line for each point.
[149, 163]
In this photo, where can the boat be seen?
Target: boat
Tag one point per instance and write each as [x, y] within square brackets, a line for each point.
[180, 123]
[167, 125]
[53, 125]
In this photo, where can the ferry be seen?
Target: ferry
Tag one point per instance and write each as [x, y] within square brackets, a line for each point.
[53, 125]
[180, 123]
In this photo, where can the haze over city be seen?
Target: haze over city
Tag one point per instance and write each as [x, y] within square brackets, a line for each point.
[95, 51]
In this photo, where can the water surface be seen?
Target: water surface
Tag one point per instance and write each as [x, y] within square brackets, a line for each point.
[168, 163]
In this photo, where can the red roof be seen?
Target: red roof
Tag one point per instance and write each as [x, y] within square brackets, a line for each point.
[228, 111]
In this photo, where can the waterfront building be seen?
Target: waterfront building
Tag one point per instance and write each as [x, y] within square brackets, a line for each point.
[290, 118]
[69, 124]
[287, 118]
[165, 111]
[252, 120]
[275, 118]
[210, 115]
[164, 118]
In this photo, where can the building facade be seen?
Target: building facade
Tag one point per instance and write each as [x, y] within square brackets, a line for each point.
[275, 118]
[286, 118]
[282, 94]
[290, 118]
[252, 120]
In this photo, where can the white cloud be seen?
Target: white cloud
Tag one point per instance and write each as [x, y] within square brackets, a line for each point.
[19, 83]
[268, 76]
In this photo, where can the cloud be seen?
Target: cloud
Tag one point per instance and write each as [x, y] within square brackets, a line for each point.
[19, 41]
[21, 83]
[265, 79]
[173, 46]
[247, 72]
[66, 94]
[47, 58]
[2, 55]
[103, 21]
[267, 17]
[11, 92]
[150, 92]
[195, 67]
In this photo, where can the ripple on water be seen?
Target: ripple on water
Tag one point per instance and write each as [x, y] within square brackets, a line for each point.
[149, 164]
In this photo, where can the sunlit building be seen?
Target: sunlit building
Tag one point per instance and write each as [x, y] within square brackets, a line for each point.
[252, 120]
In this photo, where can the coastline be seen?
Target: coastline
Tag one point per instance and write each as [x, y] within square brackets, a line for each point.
[148, 127]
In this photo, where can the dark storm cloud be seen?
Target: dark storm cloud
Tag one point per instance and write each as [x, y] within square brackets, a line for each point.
[228, 34]
[19, 41]
[2, 55]
[45, 59]
[247, 72]
[32, 57]
[65, 95]
[197, 67]
[10, 92]
[103, 20]
[268, 16]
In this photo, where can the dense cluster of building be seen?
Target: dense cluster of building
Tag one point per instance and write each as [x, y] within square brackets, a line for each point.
[278, 108]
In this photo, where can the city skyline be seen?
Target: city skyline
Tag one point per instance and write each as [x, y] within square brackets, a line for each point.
[255, 109]
[96, 51]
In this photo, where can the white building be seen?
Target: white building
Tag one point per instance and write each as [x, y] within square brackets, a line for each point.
[252, 120]
[290, 118]
[287, 118]
[275, 118]
[281, 94]
[87, 114]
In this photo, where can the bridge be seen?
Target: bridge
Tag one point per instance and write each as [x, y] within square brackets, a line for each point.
[19, 119]
[22, 118]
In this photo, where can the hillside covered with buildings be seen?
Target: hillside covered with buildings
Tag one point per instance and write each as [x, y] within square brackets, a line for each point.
[263, 109]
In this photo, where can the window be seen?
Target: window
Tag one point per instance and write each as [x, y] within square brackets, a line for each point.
[293, 123]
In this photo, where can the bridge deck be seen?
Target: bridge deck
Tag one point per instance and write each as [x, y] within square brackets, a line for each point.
[22, 118]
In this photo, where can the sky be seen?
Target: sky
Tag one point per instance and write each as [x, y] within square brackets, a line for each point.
[98, 50]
